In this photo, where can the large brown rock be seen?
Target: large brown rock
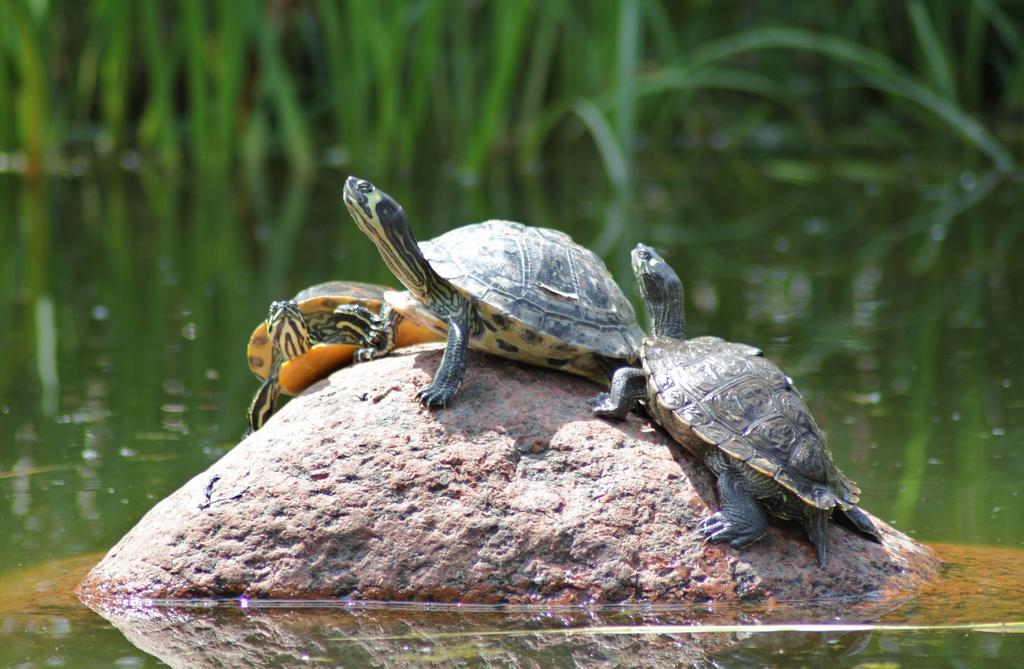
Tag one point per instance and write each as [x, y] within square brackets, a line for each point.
[513, 494]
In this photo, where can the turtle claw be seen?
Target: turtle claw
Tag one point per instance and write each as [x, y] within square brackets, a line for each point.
[433, 397]
[713, 527]
[601, 403]
[365, 354]
[717, 529]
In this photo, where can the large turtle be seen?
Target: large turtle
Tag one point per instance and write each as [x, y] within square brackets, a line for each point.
[521, 292]
[739, 414]
[309, 336]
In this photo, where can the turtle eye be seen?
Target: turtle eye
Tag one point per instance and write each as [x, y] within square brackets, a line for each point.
[364, 187]
[644, 255]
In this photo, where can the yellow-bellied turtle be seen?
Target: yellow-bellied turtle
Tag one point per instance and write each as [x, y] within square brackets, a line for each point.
[308, 337]
[526, 293]
[739, 414]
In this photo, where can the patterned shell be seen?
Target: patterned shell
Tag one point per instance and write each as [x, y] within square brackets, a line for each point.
[316, 303]
[347, 292]
[732, 398]
[543, 279]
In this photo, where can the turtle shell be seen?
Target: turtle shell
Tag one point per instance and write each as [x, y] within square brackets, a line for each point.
[540, 285]
[721, 394]
[317, 304]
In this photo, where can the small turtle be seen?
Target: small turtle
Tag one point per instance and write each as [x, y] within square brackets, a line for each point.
[308, 337]
[740, 415]
[525, 293]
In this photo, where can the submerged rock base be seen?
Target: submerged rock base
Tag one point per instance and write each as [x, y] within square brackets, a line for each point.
[514, 494]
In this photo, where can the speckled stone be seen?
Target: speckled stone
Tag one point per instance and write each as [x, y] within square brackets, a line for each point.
[513, 494]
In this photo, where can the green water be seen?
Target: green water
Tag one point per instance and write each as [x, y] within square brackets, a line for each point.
[890, 289]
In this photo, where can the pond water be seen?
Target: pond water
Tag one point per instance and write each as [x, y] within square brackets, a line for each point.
[890, 290]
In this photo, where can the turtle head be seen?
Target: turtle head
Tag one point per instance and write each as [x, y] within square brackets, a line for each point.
[661, 292]
[384, 221]
[288, 329]
[374, 211]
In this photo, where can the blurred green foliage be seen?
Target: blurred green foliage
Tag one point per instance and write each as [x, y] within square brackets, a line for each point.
[452, 82]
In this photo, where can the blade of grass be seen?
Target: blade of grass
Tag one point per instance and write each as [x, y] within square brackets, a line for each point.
[233, 23]
[673, 79]
[7, 63]
[510, 24]
[383, 29]
[31, 102]
[463, 75]
[426, 26]
[627, 55]
[971, 59]
[613, 157]
[329, 20]
[1007, 28]
[876, 68]
[194, 27]
[935, 59]
[156, 128]
[279, 87]
[541, 63]
[115, 17]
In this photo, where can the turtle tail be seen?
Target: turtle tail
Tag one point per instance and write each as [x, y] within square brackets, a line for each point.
[846, 491]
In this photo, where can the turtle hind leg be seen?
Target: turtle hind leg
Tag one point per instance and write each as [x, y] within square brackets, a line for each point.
[859, 522]
[741, 520]
[629, 386]
[816, 522]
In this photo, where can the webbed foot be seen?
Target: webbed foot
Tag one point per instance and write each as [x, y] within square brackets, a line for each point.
[717, 528]
[369, 353]
[603, 405]
[436, 396]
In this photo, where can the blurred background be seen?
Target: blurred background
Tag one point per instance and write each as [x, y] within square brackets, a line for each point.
[838, 183]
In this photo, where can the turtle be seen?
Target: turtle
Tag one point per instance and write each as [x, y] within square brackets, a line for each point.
[316, 332]
[526, 293]
[738, 413]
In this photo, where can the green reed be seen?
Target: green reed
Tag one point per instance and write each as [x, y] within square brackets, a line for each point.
[389, 84]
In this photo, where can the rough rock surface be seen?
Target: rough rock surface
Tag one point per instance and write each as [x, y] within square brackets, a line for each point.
[513, 494]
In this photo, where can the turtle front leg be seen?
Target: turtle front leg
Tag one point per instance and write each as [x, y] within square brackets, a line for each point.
[378, 332]
[741, 519]
[629, 387]
[449, 375]
[353, 324]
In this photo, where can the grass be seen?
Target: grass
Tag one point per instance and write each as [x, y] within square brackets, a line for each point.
[392, 84]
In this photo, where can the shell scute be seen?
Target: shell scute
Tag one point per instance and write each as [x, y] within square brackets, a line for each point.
[742, 402]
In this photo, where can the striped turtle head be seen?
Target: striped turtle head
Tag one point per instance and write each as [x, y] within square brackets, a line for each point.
[374, 211]
[288, 330]
[661, 291]
[384, 221]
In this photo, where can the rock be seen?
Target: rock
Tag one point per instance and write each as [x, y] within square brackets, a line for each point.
[514, 494]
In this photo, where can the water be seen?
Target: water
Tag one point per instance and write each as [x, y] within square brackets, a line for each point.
[890, 291]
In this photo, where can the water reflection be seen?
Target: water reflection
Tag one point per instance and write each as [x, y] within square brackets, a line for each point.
[42, 624]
